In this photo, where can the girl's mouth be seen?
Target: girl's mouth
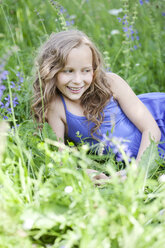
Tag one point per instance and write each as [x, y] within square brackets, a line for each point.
[75, 89]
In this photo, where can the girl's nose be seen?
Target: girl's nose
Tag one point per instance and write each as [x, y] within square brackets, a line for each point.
[77, 77]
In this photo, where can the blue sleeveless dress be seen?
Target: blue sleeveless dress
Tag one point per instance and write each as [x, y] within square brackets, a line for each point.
[116, 123]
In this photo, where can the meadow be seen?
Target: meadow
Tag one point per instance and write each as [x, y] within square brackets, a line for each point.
[46, 196]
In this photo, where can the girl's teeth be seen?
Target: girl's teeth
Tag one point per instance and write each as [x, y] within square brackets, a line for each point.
[74, 88]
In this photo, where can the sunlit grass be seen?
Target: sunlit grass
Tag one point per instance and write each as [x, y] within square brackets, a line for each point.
[46, 196]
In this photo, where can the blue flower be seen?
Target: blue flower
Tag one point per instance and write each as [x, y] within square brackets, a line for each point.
[119, 19]
[141, 2]
[5, 118]
[12, 84]
[9, 110]
[2, 104]
[15, 101]
[116, 144]
[125, 29]
[3, 75]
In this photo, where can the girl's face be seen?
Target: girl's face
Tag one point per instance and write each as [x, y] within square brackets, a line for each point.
[77, 75]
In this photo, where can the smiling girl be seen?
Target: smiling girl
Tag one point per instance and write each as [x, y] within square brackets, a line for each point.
[78, 95]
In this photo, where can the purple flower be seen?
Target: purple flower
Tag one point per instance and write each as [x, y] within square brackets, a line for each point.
[2, 87]
[3, 75]
[18, 74]
[116, 144]
[132, 37]
[2, 104]
[15, 101]
[119, 19]
[141, 2]
[7, 99]
[21, 79]
[62, 10]
[5, 118]
[132, 32]
[12, 84]
[163, 13]
[125, 29]
[9, 110]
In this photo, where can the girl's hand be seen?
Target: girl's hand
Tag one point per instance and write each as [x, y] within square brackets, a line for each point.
[96, 177]
[101, 178]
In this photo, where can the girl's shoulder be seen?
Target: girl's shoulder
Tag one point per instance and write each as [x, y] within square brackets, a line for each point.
[116, 83]
[113, 77]
[56, 107]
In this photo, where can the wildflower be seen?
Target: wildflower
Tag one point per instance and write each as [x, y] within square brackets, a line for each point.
[67, 23]
[68, 189]
[117, 144]
[5, 118]
[7, 99]
[27, 225]
[2, 88]
[115, 31]
[163, 13]
[12, 84]
[162, 178]
[141, 2]
[9, 110]
[2, 104]
[115, 11]
[119, 19]
[62, 10]
[125, 29]
[3, 75]
[20, 77]
[15, 101]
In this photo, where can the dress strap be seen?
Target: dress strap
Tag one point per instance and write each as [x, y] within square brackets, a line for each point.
[64, 103]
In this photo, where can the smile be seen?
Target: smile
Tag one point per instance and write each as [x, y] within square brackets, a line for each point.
[75, 89]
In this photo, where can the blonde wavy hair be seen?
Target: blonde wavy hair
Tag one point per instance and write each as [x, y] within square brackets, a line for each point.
[52, 59]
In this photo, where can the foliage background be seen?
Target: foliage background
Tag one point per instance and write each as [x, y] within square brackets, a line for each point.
[42, 203]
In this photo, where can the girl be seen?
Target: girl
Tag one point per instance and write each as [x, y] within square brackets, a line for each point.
[73, 93]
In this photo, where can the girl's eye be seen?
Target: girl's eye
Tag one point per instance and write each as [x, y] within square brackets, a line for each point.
[68, 71]
[87, 70]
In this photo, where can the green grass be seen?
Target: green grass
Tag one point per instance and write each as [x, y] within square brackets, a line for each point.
[46, 197]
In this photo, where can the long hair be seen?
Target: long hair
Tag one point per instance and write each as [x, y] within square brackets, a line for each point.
[51, 59]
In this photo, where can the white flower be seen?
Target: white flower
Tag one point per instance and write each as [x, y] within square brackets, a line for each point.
[27, 225]
[137, 64]
[68, 189]
[115, 11]
[115, 31]
[162, 178]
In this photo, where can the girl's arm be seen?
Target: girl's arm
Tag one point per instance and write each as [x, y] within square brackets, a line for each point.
[55, 116]
[136, 111]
